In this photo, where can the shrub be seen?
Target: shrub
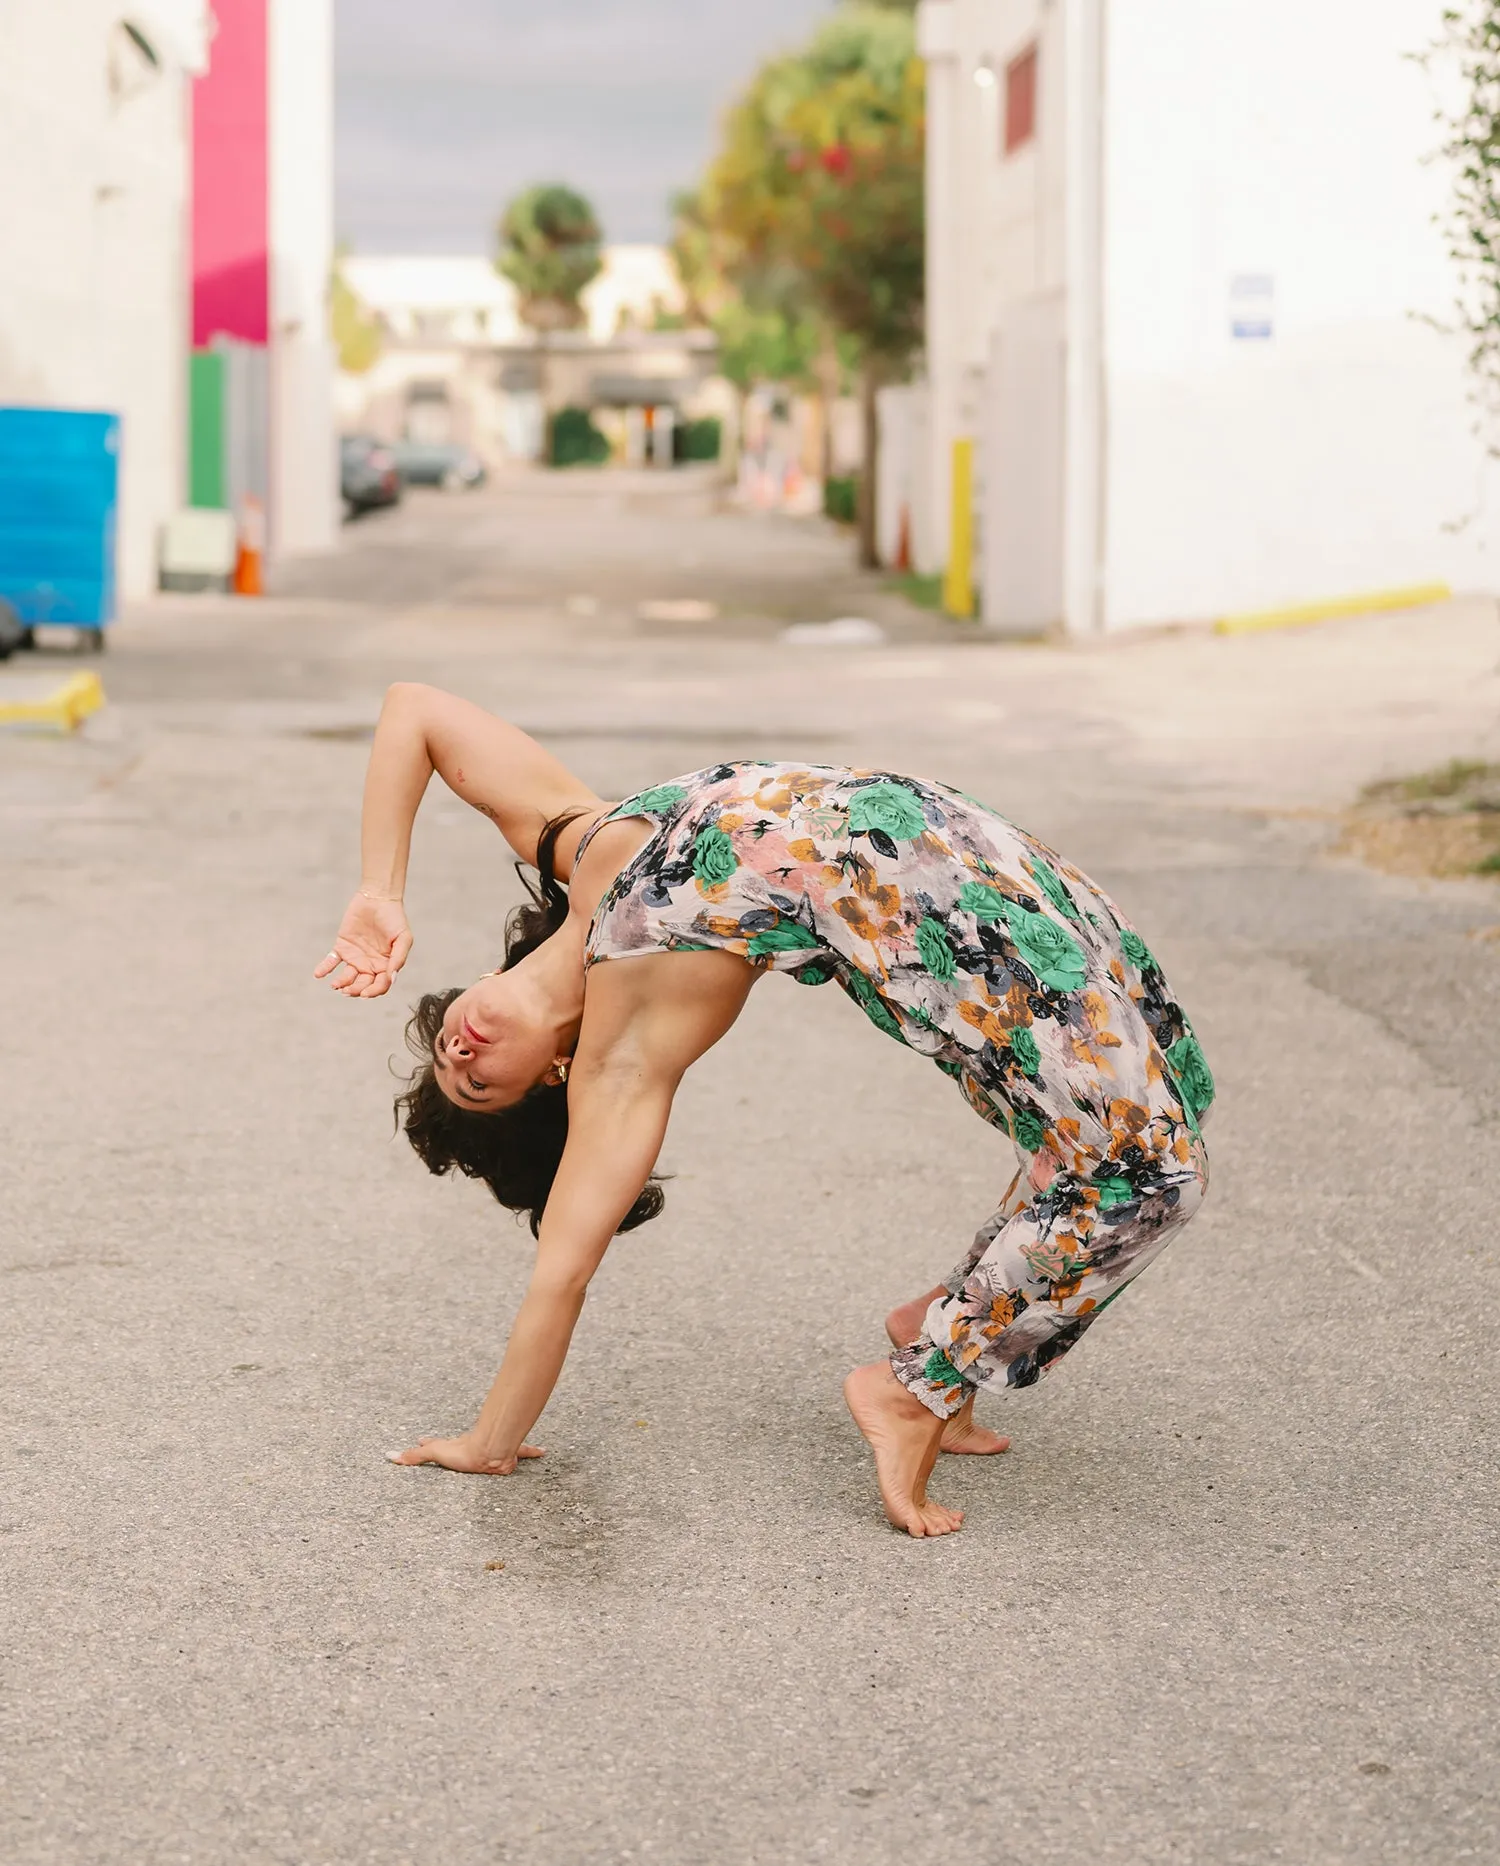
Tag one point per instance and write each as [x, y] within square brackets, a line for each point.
[841, 499]
[698, 440]
[575, 439]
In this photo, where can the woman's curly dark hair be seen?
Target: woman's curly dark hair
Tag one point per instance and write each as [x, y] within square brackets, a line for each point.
[516, 1151]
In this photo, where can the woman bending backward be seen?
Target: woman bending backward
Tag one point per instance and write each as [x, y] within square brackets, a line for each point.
[957, 934]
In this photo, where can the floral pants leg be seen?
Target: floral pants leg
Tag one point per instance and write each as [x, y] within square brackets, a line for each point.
[1040, 1270]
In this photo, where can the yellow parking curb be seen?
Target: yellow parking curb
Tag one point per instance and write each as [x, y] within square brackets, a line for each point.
[1417, 596]
[65, 708]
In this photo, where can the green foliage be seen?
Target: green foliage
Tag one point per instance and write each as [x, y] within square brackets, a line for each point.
[697, 255]
[1451, 780]
[1468, 50]
[702, 439]
[549, 250]
[770, 345]
[357, 336]
[841, 499]
[925, 592]
[575, 439]
[815, 201]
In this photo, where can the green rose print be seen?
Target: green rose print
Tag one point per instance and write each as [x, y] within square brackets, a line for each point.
[789, 936]
[1050, 882]
[663, 797]
[1053, 954]
[815, 972]
[1194, 1078]
[1023, 1048]
[932, 943]
[890, 807]
[926, 931]
[987, 904]
[1029, 1131]
[940, 1370]
[714, 859]
[1137, 951]
[873, 1006]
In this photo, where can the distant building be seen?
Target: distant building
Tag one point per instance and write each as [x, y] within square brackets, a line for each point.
[459, 365]
[637, 282]
[1179, 259]
[262, 259]
[94, 176]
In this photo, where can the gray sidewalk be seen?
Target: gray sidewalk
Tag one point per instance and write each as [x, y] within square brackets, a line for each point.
[1230, 1598]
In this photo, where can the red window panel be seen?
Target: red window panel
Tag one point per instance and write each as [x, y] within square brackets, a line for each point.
[1020, 100]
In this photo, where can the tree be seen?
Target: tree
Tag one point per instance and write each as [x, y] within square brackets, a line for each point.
[765, 328]
[550, 251]
[357, 337]
[1466, 61]
[820, 182]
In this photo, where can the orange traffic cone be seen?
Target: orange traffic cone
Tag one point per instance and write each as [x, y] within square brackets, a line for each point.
[252, 545]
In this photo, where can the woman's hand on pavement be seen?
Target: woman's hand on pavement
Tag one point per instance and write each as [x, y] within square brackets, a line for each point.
[461, 1454]
[370, 949]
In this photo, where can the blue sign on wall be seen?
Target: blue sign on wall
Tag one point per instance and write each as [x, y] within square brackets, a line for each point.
[1252, 307]
[59, 493]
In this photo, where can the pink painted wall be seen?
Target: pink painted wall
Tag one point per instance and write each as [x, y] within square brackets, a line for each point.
[231, 244]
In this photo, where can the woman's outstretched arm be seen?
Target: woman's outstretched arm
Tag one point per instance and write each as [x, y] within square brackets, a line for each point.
[643, 1026]
[494, 766]
[617, 1119]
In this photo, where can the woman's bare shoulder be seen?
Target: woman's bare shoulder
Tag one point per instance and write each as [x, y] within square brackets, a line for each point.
[611, 847]
[661, 1010]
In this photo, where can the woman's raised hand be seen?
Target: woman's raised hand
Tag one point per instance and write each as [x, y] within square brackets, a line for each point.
[370, 949]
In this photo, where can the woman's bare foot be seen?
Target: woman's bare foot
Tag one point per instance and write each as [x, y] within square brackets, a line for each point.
[904, 1437]
[961, 1435]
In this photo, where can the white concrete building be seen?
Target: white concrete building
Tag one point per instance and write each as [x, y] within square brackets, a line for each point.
[1180, 254]
[94, 168]
[304, 482]
[461, 297]
[635, 282]
[459, 365]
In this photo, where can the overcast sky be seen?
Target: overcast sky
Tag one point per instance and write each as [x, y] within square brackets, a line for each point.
[446, 108]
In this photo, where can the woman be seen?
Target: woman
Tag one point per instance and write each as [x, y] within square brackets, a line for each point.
[552, 1078]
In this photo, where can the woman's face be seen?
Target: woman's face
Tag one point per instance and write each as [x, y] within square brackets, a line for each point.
[492, 1048]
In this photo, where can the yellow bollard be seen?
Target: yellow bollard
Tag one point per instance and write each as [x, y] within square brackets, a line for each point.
[65, 708]
[958, 579]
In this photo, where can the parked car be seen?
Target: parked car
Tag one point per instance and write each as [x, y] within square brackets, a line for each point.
[368, 475]
[439, 463]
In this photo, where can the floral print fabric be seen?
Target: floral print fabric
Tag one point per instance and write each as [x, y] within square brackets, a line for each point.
[975, 945]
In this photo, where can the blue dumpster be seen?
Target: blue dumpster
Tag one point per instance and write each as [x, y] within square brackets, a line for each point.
[59, 489]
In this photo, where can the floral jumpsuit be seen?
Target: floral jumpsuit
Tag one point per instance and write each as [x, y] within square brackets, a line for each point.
[969, 942]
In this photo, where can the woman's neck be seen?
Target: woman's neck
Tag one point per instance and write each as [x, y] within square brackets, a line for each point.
[554, 974]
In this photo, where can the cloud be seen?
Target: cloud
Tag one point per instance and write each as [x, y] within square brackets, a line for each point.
[446, 109]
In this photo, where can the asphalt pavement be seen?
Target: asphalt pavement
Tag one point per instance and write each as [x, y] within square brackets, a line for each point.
[1230, 1599]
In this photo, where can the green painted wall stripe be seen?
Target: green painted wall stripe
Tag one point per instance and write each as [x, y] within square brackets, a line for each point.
[206, 382]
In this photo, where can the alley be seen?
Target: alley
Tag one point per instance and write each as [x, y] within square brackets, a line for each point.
[1224, 1601]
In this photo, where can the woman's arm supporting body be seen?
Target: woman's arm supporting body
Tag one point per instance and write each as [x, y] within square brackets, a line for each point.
[494, 766]
[642, 1029]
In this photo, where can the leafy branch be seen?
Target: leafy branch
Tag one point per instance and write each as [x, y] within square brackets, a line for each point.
[1466, 60]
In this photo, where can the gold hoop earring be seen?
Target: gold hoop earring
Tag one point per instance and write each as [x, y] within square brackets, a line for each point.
[562, 1066]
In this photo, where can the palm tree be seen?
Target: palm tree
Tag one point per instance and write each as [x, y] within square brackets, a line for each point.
[550, 251]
